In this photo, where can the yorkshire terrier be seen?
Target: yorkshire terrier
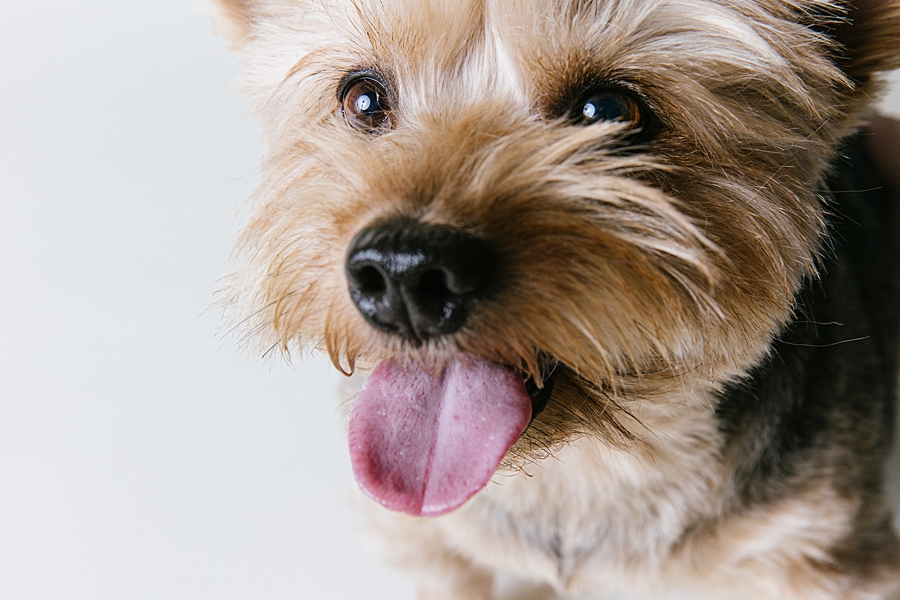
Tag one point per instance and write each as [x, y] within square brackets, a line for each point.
[618, 271]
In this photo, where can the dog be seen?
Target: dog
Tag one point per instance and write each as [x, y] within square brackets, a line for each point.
[619, 273]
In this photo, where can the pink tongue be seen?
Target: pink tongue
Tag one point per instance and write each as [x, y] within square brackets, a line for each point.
[423, 444]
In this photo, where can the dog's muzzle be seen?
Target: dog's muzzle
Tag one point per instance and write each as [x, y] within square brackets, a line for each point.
[425, 438]
[417, 280]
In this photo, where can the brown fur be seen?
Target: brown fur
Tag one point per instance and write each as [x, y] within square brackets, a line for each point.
[657, 278]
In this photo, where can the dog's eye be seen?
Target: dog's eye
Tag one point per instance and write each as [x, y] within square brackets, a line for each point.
[365, 105]
[609, 105]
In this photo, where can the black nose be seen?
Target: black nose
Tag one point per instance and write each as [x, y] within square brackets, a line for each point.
[417, 280]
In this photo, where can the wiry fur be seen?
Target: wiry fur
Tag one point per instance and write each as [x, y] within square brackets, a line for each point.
[658, 278]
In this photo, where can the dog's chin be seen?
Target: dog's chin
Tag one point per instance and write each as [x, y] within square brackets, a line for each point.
[423, 440]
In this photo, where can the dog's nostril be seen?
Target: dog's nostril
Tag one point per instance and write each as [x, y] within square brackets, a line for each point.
[417, 280]
[370, 280]
[433, 286]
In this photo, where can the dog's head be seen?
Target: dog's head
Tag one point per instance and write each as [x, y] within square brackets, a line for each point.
[526, 213]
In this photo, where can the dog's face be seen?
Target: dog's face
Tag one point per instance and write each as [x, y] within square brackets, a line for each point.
[547, 208]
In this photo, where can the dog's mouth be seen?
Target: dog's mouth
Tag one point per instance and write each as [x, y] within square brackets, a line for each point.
[425, 442]
[540, 395]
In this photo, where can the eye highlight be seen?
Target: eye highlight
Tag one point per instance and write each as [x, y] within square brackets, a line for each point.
[365, 104]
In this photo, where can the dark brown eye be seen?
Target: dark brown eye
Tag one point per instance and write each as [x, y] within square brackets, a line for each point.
[610, 105]
[365, 104]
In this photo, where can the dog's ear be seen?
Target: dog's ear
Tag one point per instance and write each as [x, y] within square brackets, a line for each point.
[232, 18]
[869, 37]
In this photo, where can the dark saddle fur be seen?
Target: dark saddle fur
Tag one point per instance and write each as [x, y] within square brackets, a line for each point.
[822, 404]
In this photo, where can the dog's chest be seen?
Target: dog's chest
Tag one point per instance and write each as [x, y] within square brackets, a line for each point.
[592, 511]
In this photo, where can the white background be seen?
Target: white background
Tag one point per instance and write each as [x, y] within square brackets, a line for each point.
[141, 454]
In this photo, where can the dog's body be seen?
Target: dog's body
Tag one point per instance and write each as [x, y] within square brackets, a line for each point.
[588, 252]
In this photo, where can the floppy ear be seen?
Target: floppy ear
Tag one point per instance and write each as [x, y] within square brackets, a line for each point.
[869, 34]
[232, 18]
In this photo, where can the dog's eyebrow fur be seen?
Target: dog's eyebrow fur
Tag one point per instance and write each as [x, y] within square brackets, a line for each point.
[435, 34]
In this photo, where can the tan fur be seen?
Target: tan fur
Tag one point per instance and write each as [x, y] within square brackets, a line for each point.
[711, 236]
